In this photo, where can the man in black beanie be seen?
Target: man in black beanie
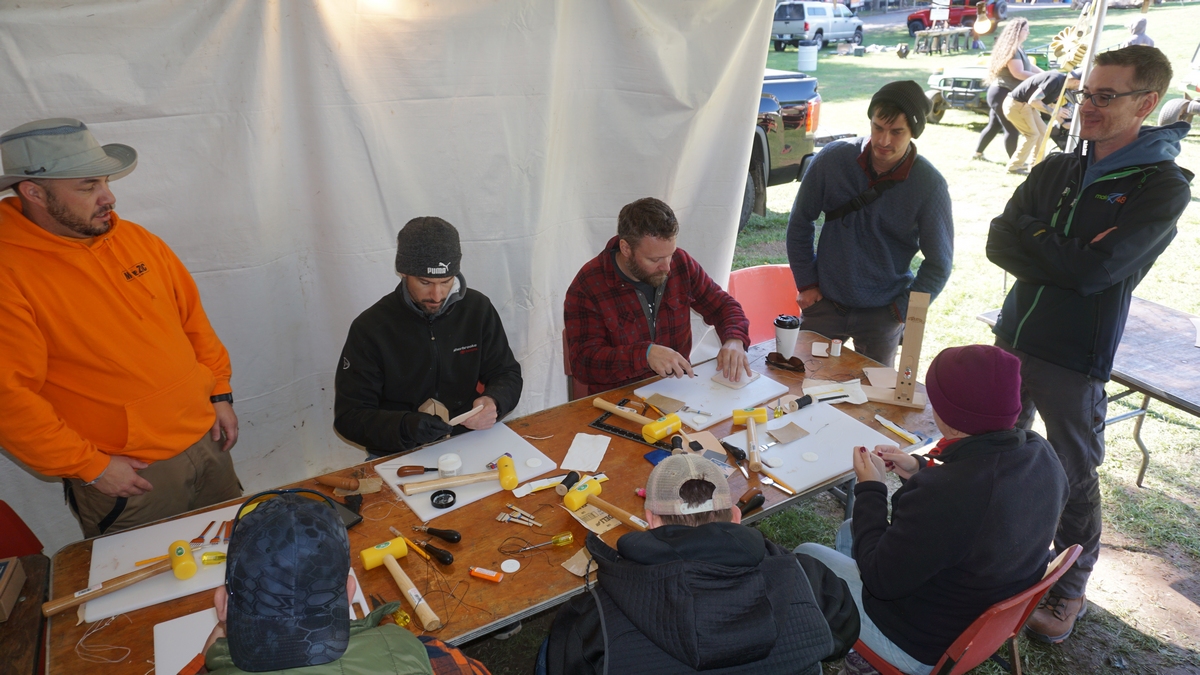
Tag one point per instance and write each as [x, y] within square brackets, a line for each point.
[882, 203]
[430, 338]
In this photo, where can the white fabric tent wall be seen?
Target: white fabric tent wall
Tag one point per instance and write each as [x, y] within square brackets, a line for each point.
[283, 144]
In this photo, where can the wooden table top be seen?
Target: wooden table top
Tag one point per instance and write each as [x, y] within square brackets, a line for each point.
[471, 607]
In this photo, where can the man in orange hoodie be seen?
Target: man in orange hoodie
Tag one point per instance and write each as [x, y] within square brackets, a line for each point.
[111, 376]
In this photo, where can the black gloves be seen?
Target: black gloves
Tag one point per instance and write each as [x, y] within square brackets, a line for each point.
[422, 428]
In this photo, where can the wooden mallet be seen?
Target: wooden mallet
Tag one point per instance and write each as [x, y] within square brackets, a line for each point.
[653, 431]
[180, 561]
[385, 554]
[505, 472]
[586, 492]
[751, 417]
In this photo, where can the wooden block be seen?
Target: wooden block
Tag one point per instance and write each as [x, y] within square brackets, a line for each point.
[434, 407]
[910, 357]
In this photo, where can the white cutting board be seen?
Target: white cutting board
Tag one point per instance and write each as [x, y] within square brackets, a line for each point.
[701, 393]
[832, 437]
[476, 448]
[178, 641]
[115, 554]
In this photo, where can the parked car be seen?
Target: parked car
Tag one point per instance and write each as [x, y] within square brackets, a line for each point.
[789, 110]
[962, 13]
[1184, 108]
[962, 88]
[824, 22]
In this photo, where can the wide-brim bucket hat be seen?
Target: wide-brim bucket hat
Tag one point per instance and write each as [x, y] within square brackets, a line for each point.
[60, 148]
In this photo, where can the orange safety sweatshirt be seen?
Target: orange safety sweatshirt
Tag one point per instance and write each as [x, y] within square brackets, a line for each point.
[104, 348]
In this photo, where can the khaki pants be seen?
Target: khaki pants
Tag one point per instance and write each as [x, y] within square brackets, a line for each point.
[200, 476]
[1029, 122]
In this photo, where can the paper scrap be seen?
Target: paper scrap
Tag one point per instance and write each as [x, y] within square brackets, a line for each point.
[665, 403]
[579, 563]
[820, 349]
[788, 433]
[721, 460]
[881, 377]
[593, 518]
[585, 453]
[366, 486]
[465, 416]
[822, 388]
[708, 441]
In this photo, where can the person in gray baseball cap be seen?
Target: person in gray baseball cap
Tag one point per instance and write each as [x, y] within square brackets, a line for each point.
[699, 591]
[111, 376]
[431, 338]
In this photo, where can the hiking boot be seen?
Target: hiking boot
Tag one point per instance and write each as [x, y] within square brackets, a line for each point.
[857, 665]
[1055, 617]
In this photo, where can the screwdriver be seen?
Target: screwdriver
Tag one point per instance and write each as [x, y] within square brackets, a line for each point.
[558, 540]
[413, 470]
[451, 536]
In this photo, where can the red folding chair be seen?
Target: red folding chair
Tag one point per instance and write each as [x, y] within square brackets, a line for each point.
[764, 292]
[575, 388]
[18, 539]
[1001, 623]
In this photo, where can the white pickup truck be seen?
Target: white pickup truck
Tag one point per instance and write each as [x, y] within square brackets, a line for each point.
[824, 22]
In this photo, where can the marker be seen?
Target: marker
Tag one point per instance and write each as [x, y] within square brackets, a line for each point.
[897, 429]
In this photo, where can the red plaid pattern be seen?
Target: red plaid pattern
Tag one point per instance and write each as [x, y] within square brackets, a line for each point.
[447, 660]
[607, 333]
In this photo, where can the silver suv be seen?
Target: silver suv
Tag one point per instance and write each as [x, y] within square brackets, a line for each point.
[824, 22]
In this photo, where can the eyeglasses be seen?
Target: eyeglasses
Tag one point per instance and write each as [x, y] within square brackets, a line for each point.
[254, 502]
[1078, 96]
[776, 360]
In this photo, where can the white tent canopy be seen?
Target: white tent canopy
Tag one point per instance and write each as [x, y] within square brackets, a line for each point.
[283, 143]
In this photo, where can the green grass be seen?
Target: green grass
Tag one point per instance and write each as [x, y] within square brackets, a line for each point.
[1162, 515]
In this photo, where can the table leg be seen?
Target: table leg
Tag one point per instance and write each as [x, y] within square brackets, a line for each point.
[845, 494]
[1140, 414]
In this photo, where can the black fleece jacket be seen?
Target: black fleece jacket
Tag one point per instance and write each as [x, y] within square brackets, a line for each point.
[717, 598]
[396, 357]
[1071, 296]
[964, 535]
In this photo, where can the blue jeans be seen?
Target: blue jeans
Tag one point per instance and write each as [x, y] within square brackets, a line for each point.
[847, 570]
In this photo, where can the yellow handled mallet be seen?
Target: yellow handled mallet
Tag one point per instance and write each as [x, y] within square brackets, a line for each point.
[751, 417]
[653, 431]
[587, 492]
[505, 472]
[385, 554]
[180, 561]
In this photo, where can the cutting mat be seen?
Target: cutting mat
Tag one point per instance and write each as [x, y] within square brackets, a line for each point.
[832, 436]
[702, 393]
[476, 449]
[114, 555]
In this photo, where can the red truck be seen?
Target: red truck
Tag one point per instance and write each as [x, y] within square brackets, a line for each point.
[962, 13]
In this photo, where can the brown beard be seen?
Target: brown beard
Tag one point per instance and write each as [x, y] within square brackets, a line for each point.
[58, 211]
[640, 274]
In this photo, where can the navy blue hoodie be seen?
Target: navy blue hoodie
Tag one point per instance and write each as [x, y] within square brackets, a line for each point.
[1071, 297]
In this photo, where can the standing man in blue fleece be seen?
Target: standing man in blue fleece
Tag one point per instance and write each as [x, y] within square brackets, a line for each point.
[1078, 235]
[882, 203]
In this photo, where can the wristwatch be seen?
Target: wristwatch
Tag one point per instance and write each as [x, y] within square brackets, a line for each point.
[228, 398]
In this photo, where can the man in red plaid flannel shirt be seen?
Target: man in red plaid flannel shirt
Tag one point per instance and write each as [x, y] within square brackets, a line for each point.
[627, 309]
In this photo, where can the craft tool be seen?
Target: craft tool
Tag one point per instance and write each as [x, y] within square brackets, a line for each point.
[652, 430]
[778, 483]
[523, 513]
[738, 456]
[338, 482]
[526, 518]
[505, 472]
[200, 539]
[400, 616]
[751, 417]
[601, 424]
[493, 464]
[587, 492]
[385, 554]
[767, 480]
[147, 561]
[414, 470]
[465, 416]
[695, 411]
[484, 573]
[557, 540]
[217, 538]
[412, 545]
[212, 558]
[451, 536]
[897, 429]
[228, 530]
[750, 500]
[508, 518]
[439, 554]
[180, 561]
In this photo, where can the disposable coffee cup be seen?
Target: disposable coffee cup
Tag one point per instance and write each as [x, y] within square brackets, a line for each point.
[787, 328]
